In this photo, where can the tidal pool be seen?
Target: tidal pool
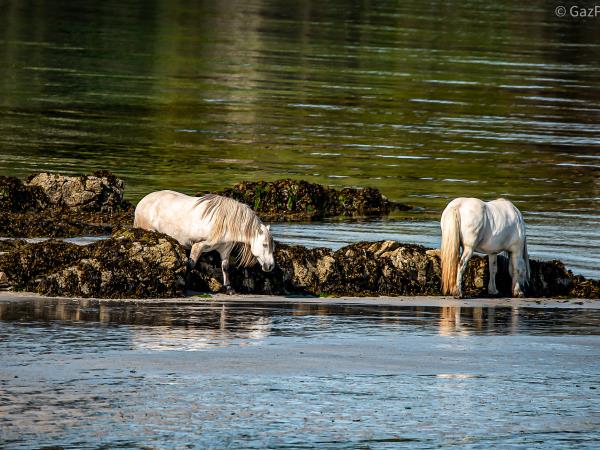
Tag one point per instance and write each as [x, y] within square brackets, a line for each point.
[296, 375]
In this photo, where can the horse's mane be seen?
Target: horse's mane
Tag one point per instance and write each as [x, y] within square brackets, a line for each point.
[231, 221]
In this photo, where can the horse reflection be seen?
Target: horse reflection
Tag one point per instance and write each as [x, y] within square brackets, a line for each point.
[455, 320]
[152, 325]
[198, 338]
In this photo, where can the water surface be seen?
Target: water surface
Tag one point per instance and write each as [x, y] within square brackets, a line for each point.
[425, 101]
[89, 375]
[422, 100]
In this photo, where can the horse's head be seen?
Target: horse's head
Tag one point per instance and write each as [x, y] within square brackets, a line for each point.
[263, 248]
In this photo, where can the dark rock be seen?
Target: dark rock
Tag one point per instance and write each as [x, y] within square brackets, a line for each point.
[28, 264]
[16, 196]
[60, 224]
[51, 205]
[136, 263]
[381, 268]
[132, 263]
[8, 245]
[300, 200]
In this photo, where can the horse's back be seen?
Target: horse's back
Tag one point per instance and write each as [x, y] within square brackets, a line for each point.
[168, 212]
[490, 227]
[505, 227]
[505, 213]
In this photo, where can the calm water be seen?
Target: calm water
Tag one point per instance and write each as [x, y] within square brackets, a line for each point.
[425, 101]
[296, 376]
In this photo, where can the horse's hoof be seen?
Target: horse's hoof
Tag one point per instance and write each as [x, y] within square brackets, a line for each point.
[457, 294]
[518, 295]
[229, 290]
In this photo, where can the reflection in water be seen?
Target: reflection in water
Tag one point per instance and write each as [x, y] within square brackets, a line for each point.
[465, 321]
[191, 326]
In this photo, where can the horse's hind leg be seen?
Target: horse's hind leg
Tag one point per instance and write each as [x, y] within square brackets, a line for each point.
[493, 259]
[517, 273]
[464, 260]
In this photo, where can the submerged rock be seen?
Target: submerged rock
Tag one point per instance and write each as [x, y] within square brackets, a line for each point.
[52, 205]
[132, 263]
[300, 200]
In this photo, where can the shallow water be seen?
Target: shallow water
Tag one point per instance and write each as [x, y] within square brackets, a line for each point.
[424, 101]
[296, 376]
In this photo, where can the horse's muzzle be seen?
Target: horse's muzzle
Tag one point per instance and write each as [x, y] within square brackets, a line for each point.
[268, 267]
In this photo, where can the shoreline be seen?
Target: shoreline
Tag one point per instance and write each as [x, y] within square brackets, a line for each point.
[408, 301]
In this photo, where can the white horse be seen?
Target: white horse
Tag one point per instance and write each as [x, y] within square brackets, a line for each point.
[207, 223]
[484, 227]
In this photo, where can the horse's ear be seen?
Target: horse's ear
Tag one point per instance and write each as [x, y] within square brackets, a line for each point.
[268, 227]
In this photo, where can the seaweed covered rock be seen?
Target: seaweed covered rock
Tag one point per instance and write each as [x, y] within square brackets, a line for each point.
[52, 205]
[136, 263]
[132, 263]
[300, 200]
[16, 196]
[381, 268]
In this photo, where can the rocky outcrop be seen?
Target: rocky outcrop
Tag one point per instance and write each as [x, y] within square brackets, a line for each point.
[132, 263]
[300, 200]
[101, 191]
[380, 268]
[138, 264]
[52, 205]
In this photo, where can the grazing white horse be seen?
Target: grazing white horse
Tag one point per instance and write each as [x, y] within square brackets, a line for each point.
[484, 227]
[207, 223]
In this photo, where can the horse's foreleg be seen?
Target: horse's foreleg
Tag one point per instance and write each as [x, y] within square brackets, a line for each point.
[493, 259]
[195, 253]
[464, 260]
[517, 274]
[226, 283]
[225, 269]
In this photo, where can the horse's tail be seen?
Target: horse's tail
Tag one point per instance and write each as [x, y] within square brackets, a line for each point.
[450, 251]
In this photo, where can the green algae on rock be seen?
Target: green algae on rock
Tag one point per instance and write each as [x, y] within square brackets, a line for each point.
[300, 200]
[52, 205]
